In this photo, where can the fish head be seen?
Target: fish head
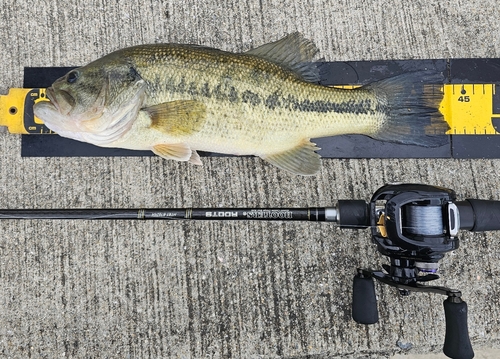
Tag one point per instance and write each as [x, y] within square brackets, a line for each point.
[97, 100]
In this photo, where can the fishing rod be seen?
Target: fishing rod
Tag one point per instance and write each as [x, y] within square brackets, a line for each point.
[412, 224]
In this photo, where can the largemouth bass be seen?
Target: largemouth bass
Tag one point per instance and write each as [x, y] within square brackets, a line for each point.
[176, 99]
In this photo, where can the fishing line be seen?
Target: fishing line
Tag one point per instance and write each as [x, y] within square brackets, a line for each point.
[424, 219]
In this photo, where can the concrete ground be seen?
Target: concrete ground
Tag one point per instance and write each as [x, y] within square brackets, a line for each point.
[116, 289]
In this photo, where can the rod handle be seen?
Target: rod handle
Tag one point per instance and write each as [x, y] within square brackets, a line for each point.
[479, 215]
[456, 342]
[364, 301]
[354, 214]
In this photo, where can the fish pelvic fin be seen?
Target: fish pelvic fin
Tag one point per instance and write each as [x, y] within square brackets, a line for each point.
[300, 160]
[175, 151]
[294, 52]
[177, 118]
[411, 103]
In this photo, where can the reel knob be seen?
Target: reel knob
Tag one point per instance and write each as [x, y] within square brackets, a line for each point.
[456, 342]
[364, 301]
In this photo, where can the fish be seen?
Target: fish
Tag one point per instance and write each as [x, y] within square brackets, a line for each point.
[178, 99]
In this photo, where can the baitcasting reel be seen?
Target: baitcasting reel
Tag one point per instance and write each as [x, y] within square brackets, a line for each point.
[415, 225]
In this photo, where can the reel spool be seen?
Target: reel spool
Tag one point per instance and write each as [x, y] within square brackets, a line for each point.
[419, 222]
[423, 220]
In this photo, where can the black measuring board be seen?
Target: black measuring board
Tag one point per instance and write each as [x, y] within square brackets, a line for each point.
[332, 73]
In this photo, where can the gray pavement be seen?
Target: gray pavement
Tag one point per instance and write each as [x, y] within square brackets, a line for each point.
[112, 289]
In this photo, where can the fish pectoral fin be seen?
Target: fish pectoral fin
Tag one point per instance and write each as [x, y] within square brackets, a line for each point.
[300, 160]
[294, 52]
[175, 151]
[177, 118]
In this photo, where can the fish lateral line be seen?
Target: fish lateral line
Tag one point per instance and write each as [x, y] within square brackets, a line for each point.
[276, 99]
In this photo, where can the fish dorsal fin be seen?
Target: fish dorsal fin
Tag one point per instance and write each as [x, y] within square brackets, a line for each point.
[177, 118]
[293, 52]
[301, 160]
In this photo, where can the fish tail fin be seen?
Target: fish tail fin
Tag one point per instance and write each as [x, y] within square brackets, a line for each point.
[411, 103]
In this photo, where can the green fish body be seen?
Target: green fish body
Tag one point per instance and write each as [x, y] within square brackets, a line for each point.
[176, 99]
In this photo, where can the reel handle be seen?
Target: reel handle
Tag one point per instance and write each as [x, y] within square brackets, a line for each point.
[457, 342]
[364, 300]
[479, 215]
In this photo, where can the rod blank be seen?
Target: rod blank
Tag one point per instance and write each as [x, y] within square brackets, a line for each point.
[269, 214]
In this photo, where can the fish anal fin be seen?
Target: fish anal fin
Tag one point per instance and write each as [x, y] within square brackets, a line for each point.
[293, 52]
[177, 118]
[300, 160]
[175, 151]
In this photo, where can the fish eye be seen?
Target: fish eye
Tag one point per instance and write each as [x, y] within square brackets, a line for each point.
[72, 77]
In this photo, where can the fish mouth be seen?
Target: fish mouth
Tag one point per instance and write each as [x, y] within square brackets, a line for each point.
[62, 100]
[49, 92]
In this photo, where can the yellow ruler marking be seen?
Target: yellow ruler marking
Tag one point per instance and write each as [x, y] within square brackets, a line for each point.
[346, 87]
[468, 109]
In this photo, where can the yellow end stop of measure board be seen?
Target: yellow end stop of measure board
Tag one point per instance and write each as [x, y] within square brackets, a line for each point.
[16, 111]
[12, 110]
